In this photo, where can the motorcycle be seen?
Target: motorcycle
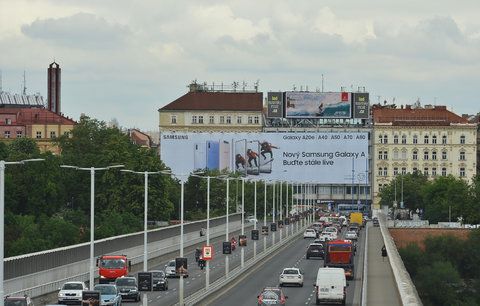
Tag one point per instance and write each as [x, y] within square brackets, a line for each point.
[234, 245]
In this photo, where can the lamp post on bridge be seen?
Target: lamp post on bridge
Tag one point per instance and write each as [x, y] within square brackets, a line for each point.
[2, 217]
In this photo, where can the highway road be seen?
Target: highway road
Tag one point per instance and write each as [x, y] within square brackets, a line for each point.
[196, 279]
[246, 290]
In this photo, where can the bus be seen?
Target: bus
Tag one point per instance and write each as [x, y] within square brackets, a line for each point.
[346, 209]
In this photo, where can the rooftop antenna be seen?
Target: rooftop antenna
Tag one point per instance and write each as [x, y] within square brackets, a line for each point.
[256, 85]
[323, 80]
[24, 84]
[294, 87]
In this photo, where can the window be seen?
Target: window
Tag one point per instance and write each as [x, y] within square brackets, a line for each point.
[444, 171]
[444, 139]
[404, 154]
[380, 138]
[415, 169]
[404, 170]
[211, 119]
[380, 155]
[385, 139]
[404, 139]
[415, 139]
[434, 155]
[8, 121]
[462, 139]
[395, 139]
[395, 171]
[19, 134]
[6, 134]
[256, 120]
[425, 139]
[239, 119]
[425, 171]
[462, 172]
[434, 139]
[67, 133]
[425, 155]
[395, 155]
[385, 154]
[415, 155]
[229, 119]
[462, 155]
[250, 120]
[200, 119]
[444, 155]
[380, 171]
[434, 171]
[194, 119]
[222, 119]
[385, 171]
[39, 134]
[173, 119]
[53, 134]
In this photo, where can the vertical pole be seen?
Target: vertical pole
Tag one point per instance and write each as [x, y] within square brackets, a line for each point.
[92, 225]
[255, 217]
[207, 271]
[226, 230]
[145, 250]
[2, 224]
[281, 209]
[366, 182]
[265, 214]
[298, 209]
[287, 217]
[273, 212]
[353, 178]
[292, 209]
[180, 286]
[242, 251]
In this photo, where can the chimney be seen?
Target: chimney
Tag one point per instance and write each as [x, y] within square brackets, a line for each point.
[54, 87]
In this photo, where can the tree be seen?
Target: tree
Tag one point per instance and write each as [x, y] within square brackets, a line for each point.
[437, 284]
[412, 186]
[413, 258]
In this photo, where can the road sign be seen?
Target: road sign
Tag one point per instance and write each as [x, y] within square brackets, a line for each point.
[287, 221]
[273, 227]
[280, 224]
[227, 247]
[264, 230]
[242, 239]
[254, 234]
[207, 252]
[90, 298]
[181, 266]
[145, 281]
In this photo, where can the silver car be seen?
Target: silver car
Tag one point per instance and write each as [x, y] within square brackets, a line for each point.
[109, 294]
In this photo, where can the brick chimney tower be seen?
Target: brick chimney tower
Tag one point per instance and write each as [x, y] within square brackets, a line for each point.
[54, 87]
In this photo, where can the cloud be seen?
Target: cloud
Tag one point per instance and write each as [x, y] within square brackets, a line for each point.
[82, 30]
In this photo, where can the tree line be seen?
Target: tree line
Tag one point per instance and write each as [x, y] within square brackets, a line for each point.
[47, 206]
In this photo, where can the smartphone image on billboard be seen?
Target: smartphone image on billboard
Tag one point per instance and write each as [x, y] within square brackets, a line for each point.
[213, 154]
[224, 155]
[240, 153]
[200, 156]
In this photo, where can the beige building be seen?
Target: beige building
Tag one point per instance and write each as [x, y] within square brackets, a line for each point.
[431, 140]
[201, 110]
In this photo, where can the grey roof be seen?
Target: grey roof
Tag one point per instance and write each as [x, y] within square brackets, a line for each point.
[8, 99]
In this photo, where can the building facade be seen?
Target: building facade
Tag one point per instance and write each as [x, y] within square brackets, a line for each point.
[431, 140]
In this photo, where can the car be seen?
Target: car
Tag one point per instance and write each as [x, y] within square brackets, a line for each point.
[354, 227]
[71, 292]
[251, 219]
[315, 250]
[310, 233]
[128, 288]
[271, 296]
[170, 269]
[159, 280]
[17, 301]
[317, 226]
[292, 276]
[375, 222]
[109, 294]
[351, 235]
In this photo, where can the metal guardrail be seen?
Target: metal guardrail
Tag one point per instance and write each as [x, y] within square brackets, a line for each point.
[365, 269]
[202, 294]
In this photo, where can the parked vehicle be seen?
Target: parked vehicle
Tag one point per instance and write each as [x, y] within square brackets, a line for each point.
[159, 280]
[315, 250]
[330, 286]
[128, 288]
[339, 254]
[109, 294]
[292, 276]
[71, 293]
[111, 267]
[271, 296]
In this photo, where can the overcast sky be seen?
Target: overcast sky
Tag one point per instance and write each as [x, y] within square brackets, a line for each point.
[125, 59]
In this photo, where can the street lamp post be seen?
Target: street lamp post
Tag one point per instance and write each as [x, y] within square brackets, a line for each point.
[92, 211]
[207, 271]
[286, 211]
[273, 212]
[281, 210]
[265, 214]
[180, 285]
[242, 251]
[226, 228]
[2, 218]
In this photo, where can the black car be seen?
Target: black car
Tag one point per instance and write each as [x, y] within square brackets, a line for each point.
[128, 288]
[375, 222]
[315, 250]
[159, 280]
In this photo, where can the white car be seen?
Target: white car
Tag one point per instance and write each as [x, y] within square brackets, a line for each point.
[251, 219]
[292, 276]
[310, 233]
[352, 235]
[71, 292]
[170, 269]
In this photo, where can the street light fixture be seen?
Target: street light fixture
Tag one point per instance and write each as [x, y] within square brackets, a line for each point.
[92, 210]
[2, 216]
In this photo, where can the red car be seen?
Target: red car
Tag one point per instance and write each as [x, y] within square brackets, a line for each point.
[271, 296]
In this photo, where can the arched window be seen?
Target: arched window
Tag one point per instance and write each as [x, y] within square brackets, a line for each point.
[415, 139]
[462, 139]
[434, 139]
[395, 139]
[444, 139]
[385, 139]
[425, 139]
[404, 139]
[415, 155]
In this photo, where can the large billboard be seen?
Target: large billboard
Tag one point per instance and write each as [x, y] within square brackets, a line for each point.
[326, 158]
[318, 104]
[360, 105]
[275, 105]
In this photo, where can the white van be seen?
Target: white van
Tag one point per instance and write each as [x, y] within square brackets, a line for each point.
[331, 286]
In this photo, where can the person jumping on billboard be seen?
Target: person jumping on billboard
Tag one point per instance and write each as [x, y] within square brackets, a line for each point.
[320, 110]
[239, 160]
[252, 155]
[266, 147]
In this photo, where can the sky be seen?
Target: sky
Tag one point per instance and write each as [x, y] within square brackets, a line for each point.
[124, 59]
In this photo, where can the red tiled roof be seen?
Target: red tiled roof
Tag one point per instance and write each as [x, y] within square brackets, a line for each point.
[33, 115]
[220, 101]
[140, 138]
[439, 115]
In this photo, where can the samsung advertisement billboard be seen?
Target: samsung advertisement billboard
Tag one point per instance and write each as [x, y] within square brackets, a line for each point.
[318, 105]
[324, 158]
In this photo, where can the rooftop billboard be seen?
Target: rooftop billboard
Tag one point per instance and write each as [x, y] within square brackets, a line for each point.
[361, 105]
[324, 158]
[318, 105]
[275, 105]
